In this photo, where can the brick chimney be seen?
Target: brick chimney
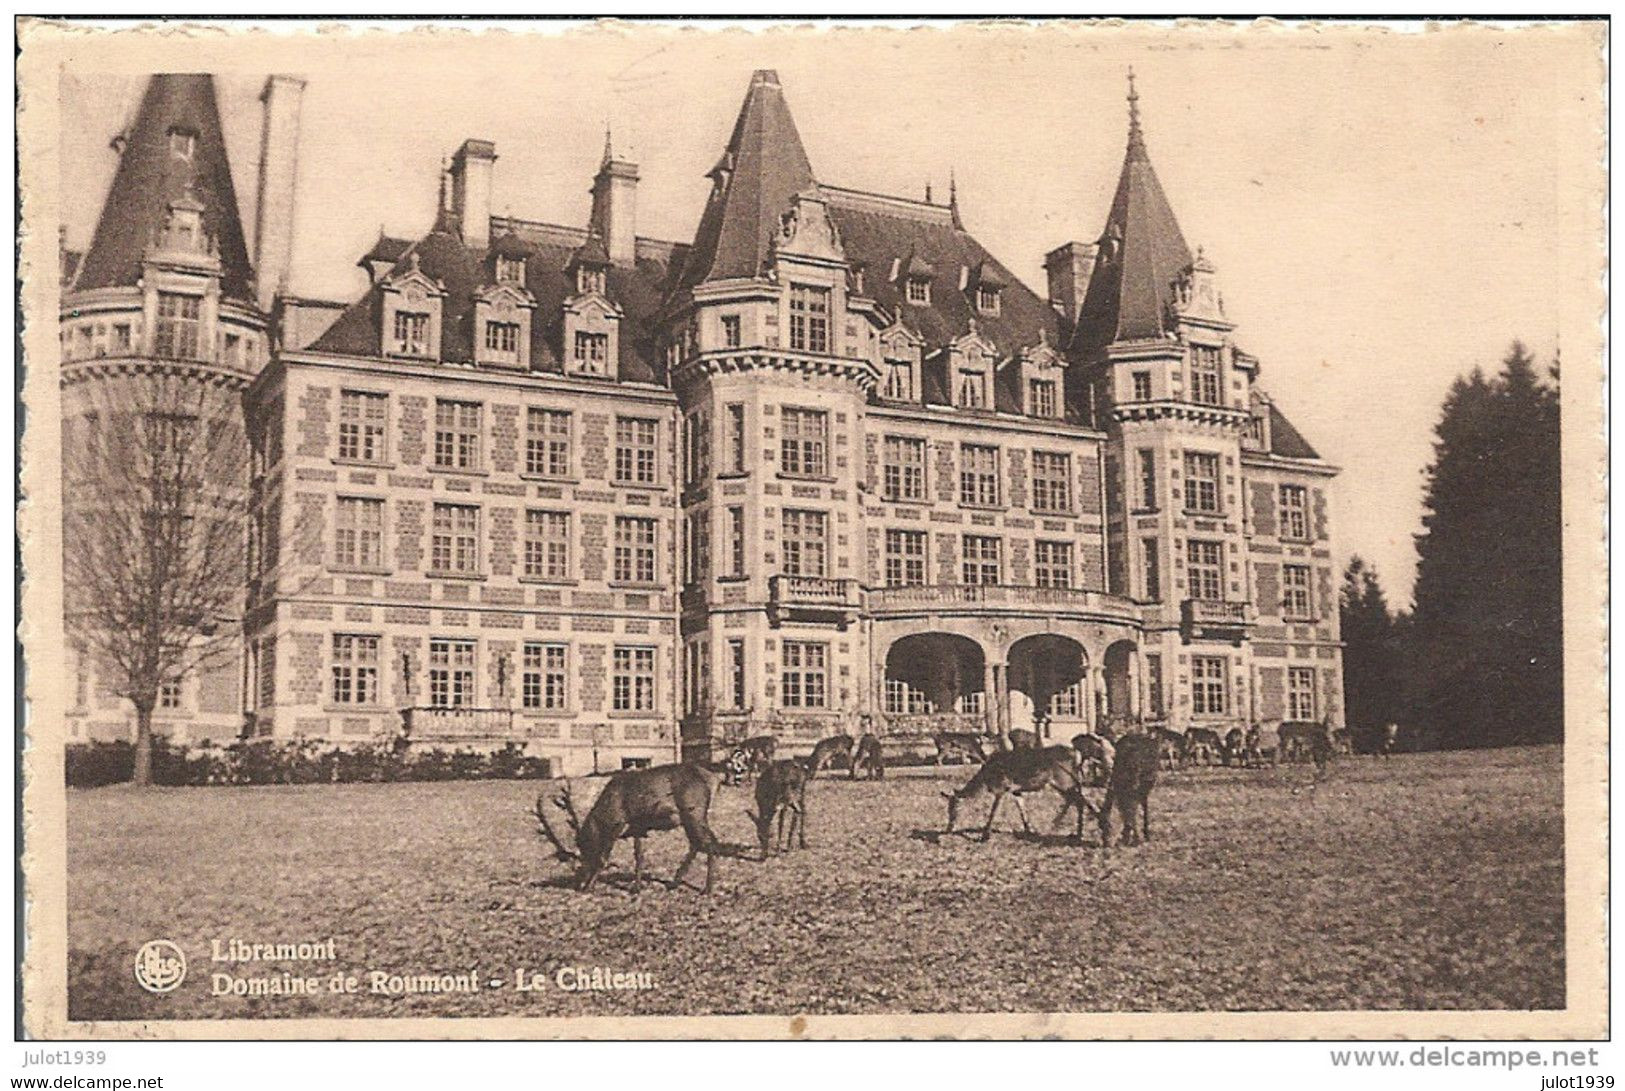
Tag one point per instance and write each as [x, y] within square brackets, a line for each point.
[615, 206]
[471, 170]
[1069, 267]
[279, 168]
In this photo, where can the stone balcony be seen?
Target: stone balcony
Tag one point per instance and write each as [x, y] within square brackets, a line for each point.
[812, 598]
[463, 724]
[999, 598]
[1215, 618]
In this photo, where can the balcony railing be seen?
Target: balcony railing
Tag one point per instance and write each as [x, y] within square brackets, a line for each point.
[997, 595]
[431, 724]
[931, 723]
[1212, 615]
[812, 596]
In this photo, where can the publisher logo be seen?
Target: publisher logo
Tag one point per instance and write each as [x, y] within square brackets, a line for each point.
[159, 966]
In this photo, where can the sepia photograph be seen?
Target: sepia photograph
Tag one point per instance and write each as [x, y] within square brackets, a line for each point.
[987, 530]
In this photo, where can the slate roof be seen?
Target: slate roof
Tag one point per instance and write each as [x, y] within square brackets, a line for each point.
[1141, 251]
[149, 177]
[548, 249]
[1285, 440]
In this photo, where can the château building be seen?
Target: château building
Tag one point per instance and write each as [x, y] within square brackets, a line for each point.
[826, 467]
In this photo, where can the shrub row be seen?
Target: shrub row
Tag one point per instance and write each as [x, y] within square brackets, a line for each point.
[295, 761]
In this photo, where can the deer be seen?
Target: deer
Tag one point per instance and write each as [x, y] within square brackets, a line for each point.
[1096, 750]
[781, 792]
[1019, 771]
[758, 752]
[1021, 739]
[637, 802]
[827, 752]
[963, 743]
[869, 758]
[1133, 775]
[559, 807]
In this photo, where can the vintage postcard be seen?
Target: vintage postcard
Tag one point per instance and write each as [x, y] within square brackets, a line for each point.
[1075, 529]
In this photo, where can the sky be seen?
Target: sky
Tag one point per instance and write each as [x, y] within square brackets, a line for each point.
[1386, 210]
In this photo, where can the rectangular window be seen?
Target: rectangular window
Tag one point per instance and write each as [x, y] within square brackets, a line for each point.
[1300, 694]
[919, 290]
[697, 677]
[987, 300]
[1052, 564]
[699, 546]
[511, 270]
[972, 393]
[736, 438]
[451, 673]
[980, 563]
[592, 352]
[1068, 704]
[456, 435]
[1041, 397]
[547, 442]
[1052, 481]
[1152, 569]
[547, 545]
[635, 450]
[978, 475]
[804, 547]
[904, 699]
[169, 695]
[1296, 600]
[544, 680]
[633, 688]
[904, 469]
[355, 669]
[363, 418]
[358, 533]
[1207, 685]
[809, 318]
[121, 338]
[899, 382]
[411, 333]
[1148, 480]
[1205, 570]
[1142, 386]
[1295, 513]
[1153, 686]
[805, 680]
[180, 322]
[905, 558]
[731, 335]
[736, 541]
[736, 672]
[502, 338]
[455, 546]
[804, 442]
[697, 446]
[634, 549]
[1205, 389]
[1201, 482]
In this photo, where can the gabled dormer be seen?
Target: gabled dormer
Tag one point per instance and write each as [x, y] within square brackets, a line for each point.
[972, 361]
[411, 312]
[1195, 299]
[1041, 380]
[983, 286]
[592, 321]
[502, 325]
[900, 358]
[913, 276]
[183, 237]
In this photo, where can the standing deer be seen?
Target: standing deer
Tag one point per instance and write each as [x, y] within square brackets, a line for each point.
[1019, 771]
[781, 791]
[963, 744]
[1133, 776]
[827, 752]
[1095, 751]
[637, 802]
[869, 758]
[758, 752]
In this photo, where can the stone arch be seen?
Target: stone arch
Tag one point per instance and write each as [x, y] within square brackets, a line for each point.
[934, 673]
[1048, 685]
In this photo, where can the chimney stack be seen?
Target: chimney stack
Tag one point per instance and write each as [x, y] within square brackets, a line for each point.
[279, 168]
[1069, 268]
[471, 170]
[615, 207]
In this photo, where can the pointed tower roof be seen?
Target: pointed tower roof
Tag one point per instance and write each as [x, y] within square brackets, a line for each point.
[763, 167]
[1141, 251]
[154, 172]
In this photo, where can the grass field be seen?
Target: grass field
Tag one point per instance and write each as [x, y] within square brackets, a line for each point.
[1427, 881]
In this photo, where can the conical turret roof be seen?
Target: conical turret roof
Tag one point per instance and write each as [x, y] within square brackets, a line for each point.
[1141, 251]
[156, 170]
[763, 167]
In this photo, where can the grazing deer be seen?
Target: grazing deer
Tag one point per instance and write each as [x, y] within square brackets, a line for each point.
[961, 743]
[1019, 771]
[1022, 739]
[827, 752]
[1235, 746]
[781, 791]
[1201, 746]
[1133, 776]
[559, 807]
[637, 802]
[869, 758]
[1253, 747]
[758, 752]
[1095, 751]
[1170, 747]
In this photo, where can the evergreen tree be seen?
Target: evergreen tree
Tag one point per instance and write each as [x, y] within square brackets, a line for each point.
[1371, 663]
[1488, 621]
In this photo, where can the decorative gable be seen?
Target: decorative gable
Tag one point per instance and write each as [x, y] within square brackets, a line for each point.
[1195, 296]
[592, 326]
[1042, 374]
[411, 313]
[807, 233]
[502, 325]
[900, 355]
[971, 362]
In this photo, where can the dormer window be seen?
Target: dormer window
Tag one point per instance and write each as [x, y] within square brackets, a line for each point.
[732, 334]
[899, 381]
[1142, 386]
[918, 291]
[1041, 397]
[502, 339]
[182, 143]
[987, 299]
[972, 393]
[510, 270]
[589, 280]
[591, 352]
[411, 333]
[857, 280]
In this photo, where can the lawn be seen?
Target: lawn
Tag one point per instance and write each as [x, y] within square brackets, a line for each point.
[1425, 881]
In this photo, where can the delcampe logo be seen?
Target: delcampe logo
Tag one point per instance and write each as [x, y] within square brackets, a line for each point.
[160, 966]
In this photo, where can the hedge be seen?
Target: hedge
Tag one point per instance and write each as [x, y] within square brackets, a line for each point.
[295, 761]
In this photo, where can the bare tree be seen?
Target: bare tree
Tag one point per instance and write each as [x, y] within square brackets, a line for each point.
[155, 473]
